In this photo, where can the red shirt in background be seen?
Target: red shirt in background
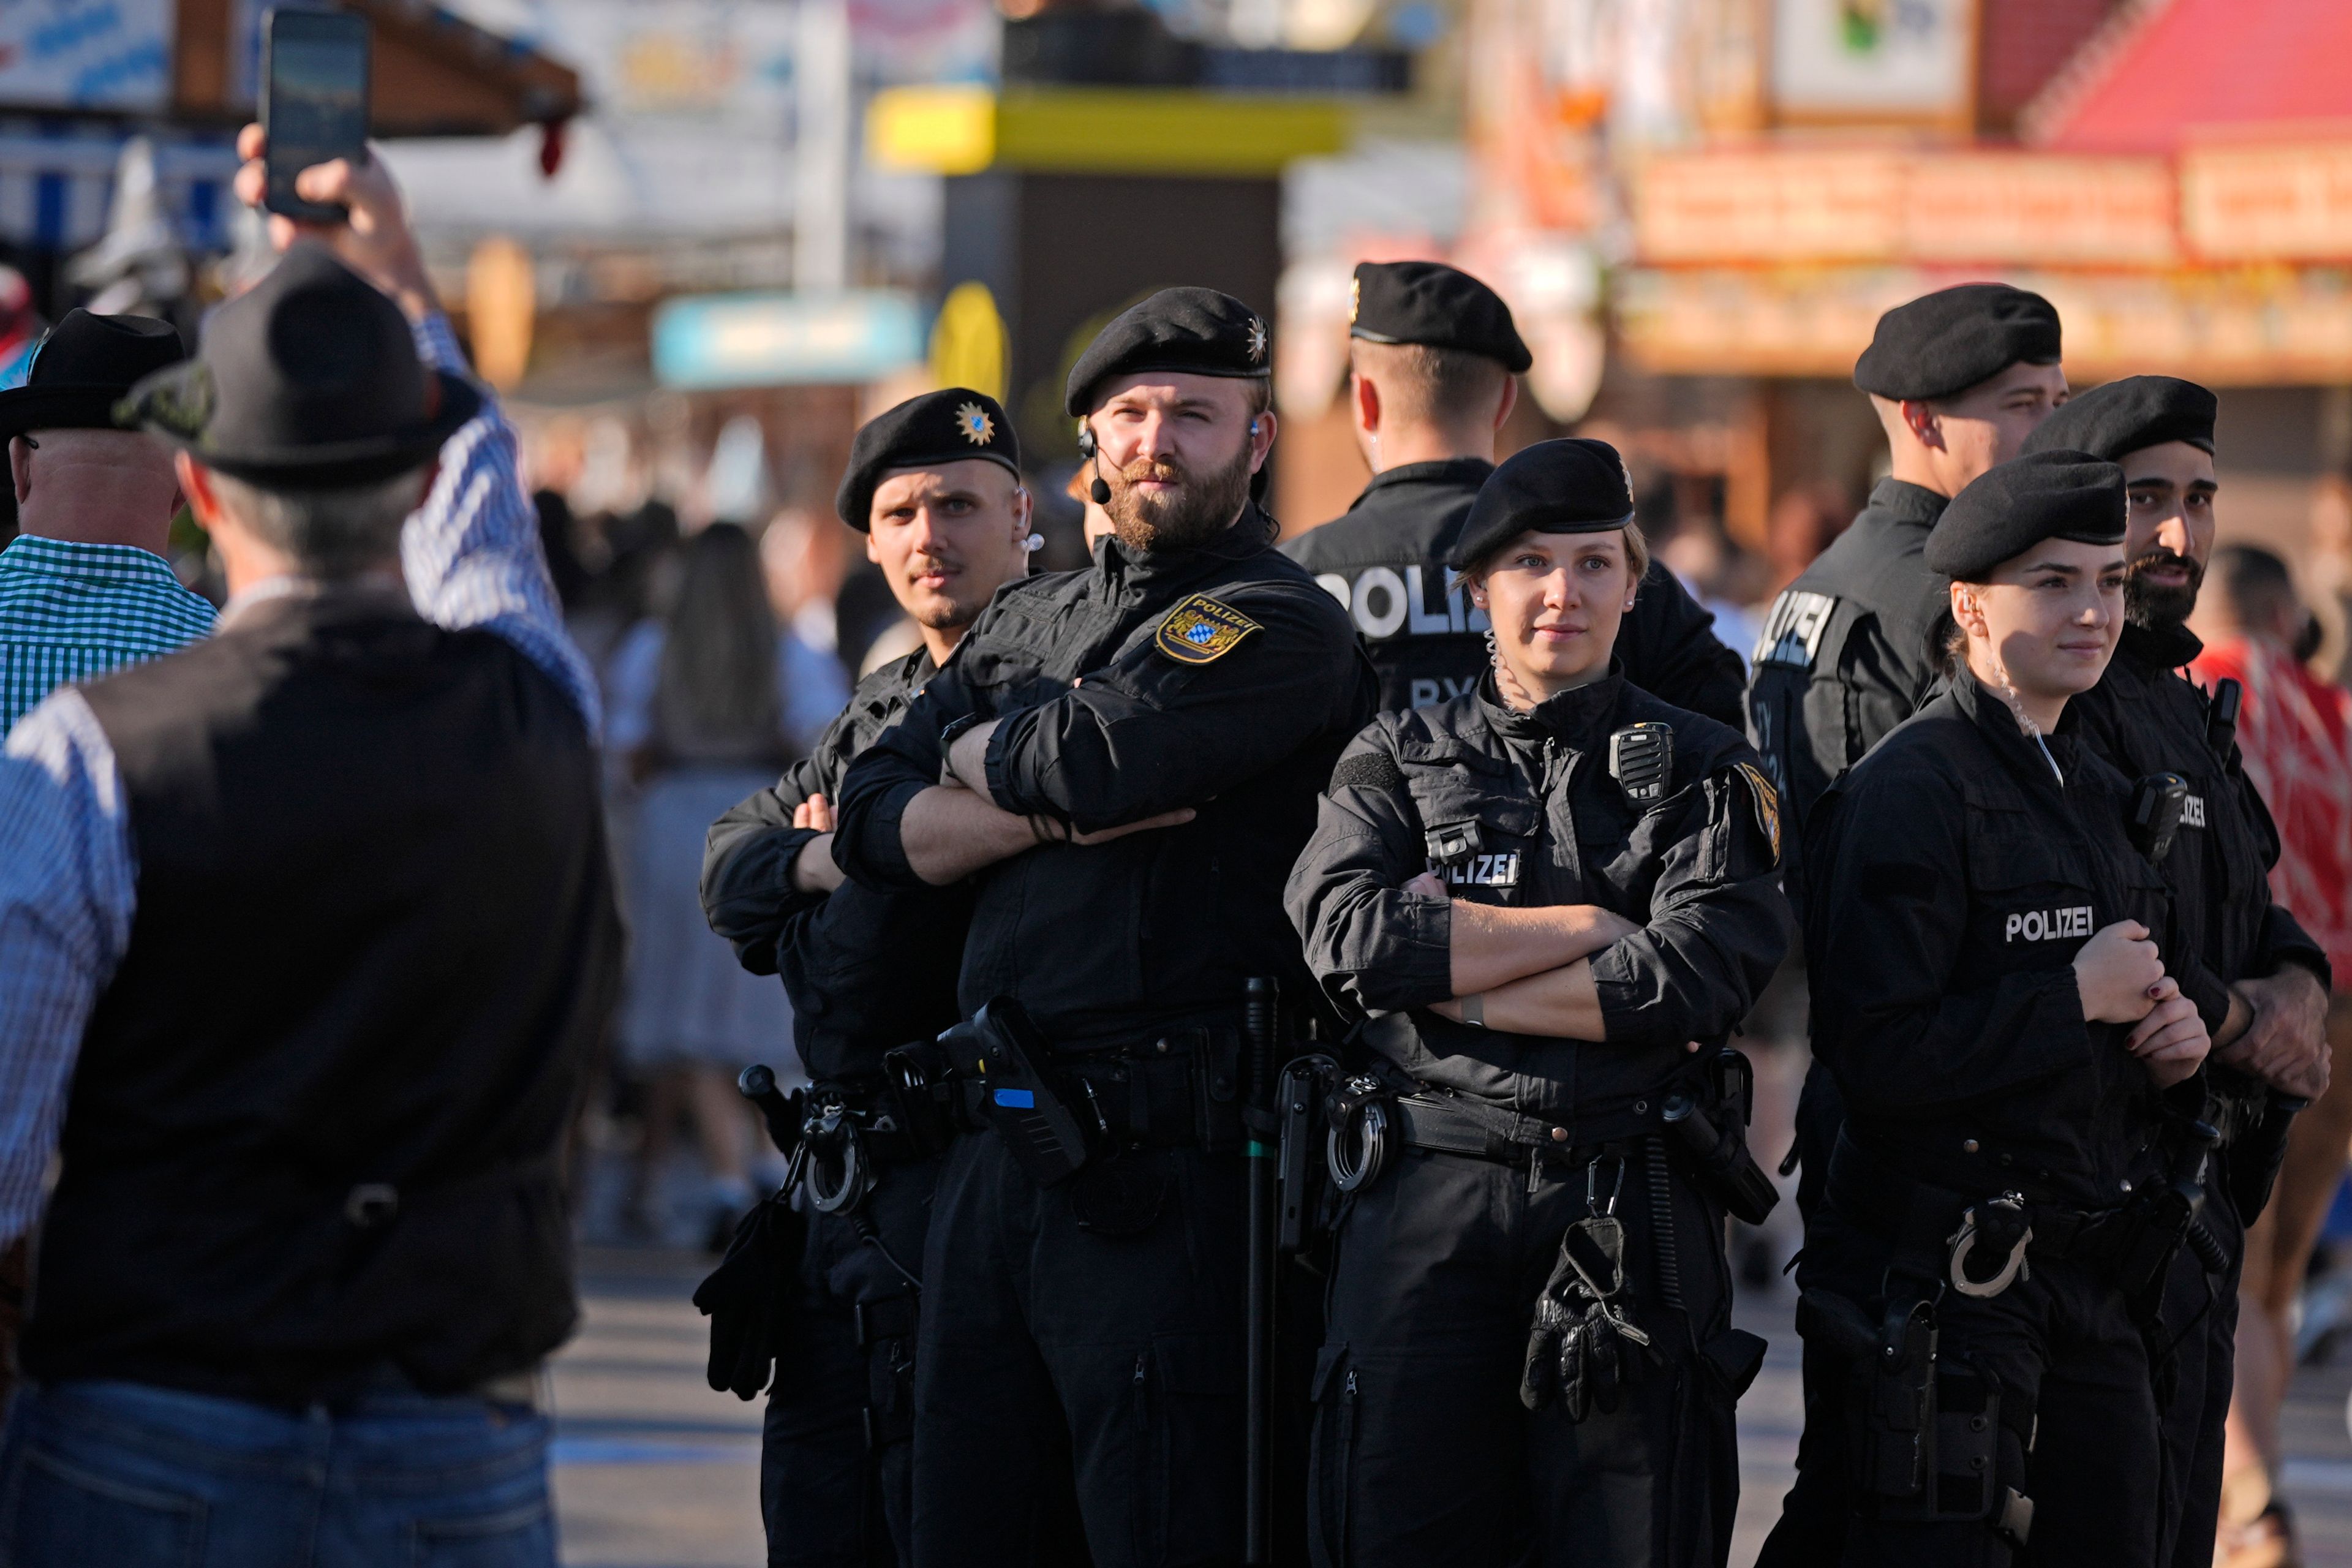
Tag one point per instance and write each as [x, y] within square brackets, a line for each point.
[2295, 730]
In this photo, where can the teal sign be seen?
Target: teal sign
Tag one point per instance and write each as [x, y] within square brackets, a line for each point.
[787, 340]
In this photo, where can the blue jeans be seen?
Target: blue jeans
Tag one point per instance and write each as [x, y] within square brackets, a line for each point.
[139, 1476]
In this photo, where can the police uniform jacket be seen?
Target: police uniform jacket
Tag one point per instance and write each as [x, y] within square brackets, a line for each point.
[868, 969]
[1219, 677]
[1845, 652]
[2145, 719]
[1695, 870]
[1955, 878]
[1383, 561]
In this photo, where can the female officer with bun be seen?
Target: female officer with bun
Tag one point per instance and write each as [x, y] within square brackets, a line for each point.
[1550, 908]
[1990, 993]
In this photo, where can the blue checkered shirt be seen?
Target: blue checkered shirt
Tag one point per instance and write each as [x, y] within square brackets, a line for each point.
[72, 612]
[68, 871]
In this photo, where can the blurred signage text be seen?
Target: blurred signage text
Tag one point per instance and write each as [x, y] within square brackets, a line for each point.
[784, 339]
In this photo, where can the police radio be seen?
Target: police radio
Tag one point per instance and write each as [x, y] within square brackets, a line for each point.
[2157, 804]
[2221, 718]
[1642, 761]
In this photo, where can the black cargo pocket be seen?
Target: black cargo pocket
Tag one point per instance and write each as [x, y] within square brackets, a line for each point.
[1332, 1463]
[1732, 1359]
[1188, 1448]
[58, 1512]
[1482, 842]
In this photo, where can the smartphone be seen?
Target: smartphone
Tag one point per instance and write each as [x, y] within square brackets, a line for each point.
[314, 103]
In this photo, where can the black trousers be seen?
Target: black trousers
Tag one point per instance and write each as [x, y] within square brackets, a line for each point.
[1054, 1358]
[2078, 1425]
[2198, 1323]
[837, 1471]
[1422, 1452]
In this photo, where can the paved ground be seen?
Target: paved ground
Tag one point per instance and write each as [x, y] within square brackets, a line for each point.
[654, 1470]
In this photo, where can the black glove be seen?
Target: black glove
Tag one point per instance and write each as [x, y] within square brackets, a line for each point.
[1578, 1348]
[753, 1297]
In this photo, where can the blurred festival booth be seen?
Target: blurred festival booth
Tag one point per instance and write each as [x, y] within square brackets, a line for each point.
[1701, 207]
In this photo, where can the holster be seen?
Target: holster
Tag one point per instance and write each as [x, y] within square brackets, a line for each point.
[1003, 1060]
[1302, 1168]
[1925, 1432]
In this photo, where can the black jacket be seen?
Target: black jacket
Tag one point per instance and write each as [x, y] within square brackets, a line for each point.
[1112, 713]
[1845, 652]
[1696, 871]
[1384, 562]
[1953, 881]
[867, 969]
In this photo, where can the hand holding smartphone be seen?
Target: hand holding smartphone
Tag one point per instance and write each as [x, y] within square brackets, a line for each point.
[314, 103]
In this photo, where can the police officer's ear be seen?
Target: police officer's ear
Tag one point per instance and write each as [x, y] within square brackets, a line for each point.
[1967, 610]
[1367, 396]
[1925, 422]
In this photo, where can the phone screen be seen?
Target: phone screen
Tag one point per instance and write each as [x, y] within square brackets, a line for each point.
[317, 108]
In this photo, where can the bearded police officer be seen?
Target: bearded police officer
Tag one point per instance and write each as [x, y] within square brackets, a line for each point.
[1536, 899]
[1989, 954]
[1431, 360]
[2256, 978]
[1127, 760]
[935, 485]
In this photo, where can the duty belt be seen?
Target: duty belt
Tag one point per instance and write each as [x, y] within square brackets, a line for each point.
[886, 1142]
[1452, 1125]
[1176, 1090]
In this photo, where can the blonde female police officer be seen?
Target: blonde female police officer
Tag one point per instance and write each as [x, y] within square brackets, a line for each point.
[1989, 990]
[1538, 905]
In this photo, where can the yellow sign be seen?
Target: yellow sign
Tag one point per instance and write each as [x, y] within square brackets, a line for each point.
[968, 345]
[1132, 130]
[1202, 631]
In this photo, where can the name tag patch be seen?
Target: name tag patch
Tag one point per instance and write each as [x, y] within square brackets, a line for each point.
[1480, 871]
[2192, 811]
[2049, 925]
[1792, 632]
[1203, 631]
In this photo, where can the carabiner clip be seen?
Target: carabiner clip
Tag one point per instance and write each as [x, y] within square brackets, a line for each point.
[1592, 1205]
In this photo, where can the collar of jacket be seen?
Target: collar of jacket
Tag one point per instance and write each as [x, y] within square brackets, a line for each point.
[1905, 502]
[1997, 722]
[1252, 534]
[1467, 473]
[1574, 718]
[2156, 649]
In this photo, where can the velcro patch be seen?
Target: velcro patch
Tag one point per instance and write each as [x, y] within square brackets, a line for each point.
[1202, 631]
[1765, 800]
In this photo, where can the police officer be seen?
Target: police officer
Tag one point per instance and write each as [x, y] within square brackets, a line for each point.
[1127, 760]
[1959, 379]
[935, 485]
[2256, 978]
[1432, 356]
[1990, 991]
[1537, 904]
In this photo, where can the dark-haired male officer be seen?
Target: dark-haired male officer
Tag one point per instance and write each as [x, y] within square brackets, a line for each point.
[935, 485]
[2258, 980]
[1431, 358]
[1127, 760]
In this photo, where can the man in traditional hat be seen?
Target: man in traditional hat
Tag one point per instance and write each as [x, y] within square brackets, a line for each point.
[84, 587]
[1432, 358]
[1132, 757]
[305, 933]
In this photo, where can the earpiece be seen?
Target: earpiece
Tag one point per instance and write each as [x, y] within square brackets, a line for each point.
[1253, 429]
[1086, 443]
[1098, 492]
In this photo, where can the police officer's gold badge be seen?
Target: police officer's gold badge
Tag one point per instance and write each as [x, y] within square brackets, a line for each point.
[1202, 631]
[1767, 801]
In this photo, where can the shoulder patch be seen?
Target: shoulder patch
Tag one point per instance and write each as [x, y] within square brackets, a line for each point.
[1367, 769]
[1766, 801]
[1202, 631]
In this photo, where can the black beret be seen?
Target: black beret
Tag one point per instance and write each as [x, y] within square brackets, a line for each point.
[944, 427]
[1574, 485]
[2014, 506]
[1197, 331]
[2127, 415]
[1431, 303]
[1946, 343]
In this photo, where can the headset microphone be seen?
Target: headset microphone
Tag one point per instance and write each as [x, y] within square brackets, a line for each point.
[1099, 491]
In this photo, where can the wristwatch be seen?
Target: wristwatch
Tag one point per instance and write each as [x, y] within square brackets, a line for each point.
[954, 730]
[1474, 1009]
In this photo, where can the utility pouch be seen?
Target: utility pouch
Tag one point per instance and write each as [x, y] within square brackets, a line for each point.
[1301, 1175]
[919, 1084]
[1961, 1473]
[1721, 1157]
[1002, 1051]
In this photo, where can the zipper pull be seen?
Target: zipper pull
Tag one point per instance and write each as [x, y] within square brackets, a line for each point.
[1141, 1361]
[1350, 1388]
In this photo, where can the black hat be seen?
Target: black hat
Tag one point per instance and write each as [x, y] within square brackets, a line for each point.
[1196, 331]
[1435, 305]
[2127, 415]
[2014, 506]
[1575, 484]
[83, 367]
[1946, 343]
[310, 379]
[945, 426]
